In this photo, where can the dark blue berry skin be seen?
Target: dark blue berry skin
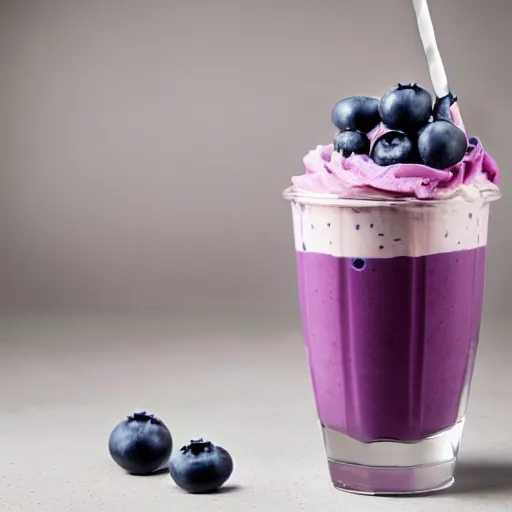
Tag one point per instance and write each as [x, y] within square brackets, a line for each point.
[359, 113]
[351, 141]
[442, 107]
[393, 148]
[406, 108]
[201, 467]
[441, 144]
[140, 444]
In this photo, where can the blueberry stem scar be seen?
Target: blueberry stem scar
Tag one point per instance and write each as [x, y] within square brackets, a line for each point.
[197, 446]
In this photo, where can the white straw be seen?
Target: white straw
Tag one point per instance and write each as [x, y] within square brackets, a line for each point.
[428, 38]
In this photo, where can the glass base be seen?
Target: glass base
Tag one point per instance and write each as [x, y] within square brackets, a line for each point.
[393, 467]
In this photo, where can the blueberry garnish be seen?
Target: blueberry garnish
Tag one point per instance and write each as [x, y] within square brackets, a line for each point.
[442, 107]
[351, 141]
[441, 144]
[393, 148]
[356, 113]
[140, 444]
[201, 467]
[406, 108]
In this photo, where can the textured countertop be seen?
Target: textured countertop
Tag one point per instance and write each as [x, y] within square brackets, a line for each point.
[66, 381]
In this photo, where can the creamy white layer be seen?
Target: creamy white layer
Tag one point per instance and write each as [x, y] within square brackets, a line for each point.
[390, 231]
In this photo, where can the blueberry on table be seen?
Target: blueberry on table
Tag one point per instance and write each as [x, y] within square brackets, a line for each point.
[356, 113]
[201, 467]
[406, 108]
[393, 148]
[140, 444]
[441, 144]
[352, 141]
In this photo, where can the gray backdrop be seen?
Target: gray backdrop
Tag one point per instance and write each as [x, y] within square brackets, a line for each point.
[145, 145]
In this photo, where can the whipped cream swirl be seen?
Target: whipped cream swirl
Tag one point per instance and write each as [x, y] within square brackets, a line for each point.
[358, 176]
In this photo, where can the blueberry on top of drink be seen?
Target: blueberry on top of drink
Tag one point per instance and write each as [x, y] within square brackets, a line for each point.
[352, 141]
[411, 129]
[442, 107]
[393, 147]
[442, 144]
[356, 113]
[406, 108]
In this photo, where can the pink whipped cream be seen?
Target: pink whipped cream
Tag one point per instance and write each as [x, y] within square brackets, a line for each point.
[358, 176]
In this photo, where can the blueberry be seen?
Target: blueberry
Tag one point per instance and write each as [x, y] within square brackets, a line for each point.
[140, 444]
[358, 263]
[406, 108]
[352, 141]
[441, 144]
[442, 107]
[393, 148]
[356, 113]
[201, 467]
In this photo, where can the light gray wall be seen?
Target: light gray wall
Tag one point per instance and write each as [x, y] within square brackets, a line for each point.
[145, 144]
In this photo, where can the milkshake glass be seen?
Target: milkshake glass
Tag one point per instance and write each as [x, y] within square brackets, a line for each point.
[391, 297]
[390, 226]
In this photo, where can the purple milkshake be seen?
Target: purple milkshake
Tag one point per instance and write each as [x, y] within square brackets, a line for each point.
[390, 227]
[391, 260]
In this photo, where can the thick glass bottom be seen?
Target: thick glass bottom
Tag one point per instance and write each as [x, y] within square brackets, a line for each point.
[388, 467]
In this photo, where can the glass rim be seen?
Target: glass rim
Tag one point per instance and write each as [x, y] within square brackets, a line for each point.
[301, 196]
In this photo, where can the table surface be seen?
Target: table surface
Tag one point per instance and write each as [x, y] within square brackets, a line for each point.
[241, 382]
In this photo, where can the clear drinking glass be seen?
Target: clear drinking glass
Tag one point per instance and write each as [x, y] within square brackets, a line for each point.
[391, 299]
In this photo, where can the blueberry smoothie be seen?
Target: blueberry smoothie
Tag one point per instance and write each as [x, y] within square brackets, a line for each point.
[390, 228]
[391, 302]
